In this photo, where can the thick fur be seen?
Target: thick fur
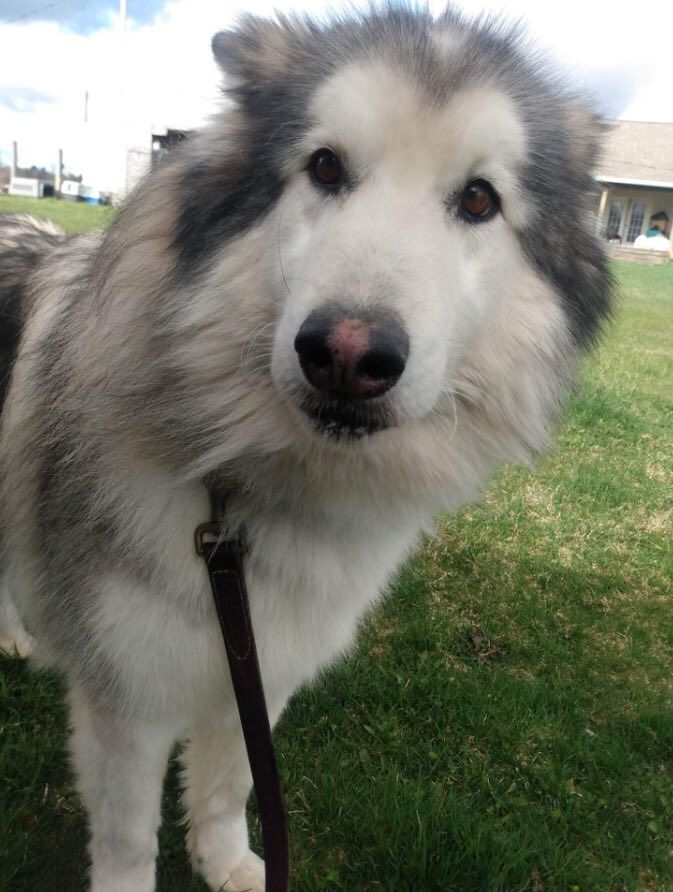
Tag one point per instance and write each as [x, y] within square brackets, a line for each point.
[24, 242]
[160, 354]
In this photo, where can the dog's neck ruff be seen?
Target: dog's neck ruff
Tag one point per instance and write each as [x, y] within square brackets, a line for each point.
[224, 556]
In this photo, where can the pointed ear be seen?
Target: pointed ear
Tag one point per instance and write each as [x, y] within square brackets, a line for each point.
[587, 130]
[257, 49]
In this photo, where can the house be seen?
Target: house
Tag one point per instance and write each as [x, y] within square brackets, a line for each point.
[636, 181]
[158, 144]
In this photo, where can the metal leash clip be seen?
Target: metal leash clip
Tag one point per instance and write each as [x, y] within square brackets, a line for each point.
[212, 533]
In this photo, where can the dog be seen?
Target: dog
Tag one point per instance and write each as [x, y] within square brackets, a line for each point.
[357, 292]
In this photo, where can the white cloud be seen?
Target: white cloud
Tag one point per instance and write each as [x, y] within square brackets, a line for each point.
[165, 75]
[159, 74]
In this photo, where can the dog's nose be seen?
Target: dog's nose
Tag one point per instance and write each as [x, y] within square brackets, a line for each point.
[350, 354]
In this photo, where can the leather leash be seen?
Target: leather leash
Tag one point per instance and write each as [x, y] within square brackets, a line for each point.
[224, 562]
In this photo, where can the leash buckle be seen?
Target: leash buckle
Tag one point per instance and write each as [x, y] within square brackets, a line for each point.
[212, 529]
[212, 532]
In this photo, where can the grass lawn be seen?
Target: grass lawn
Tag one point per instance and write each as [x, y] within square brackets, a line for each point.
[73, 216]
[506, 722]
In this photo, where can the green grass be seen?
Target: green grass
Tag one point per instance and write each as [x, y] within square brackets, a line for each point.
[506, 722]
[73, 216]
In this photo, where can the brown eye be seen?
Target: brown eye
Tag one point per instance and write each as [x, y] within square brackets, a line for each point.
[479, 201]
[325, 169]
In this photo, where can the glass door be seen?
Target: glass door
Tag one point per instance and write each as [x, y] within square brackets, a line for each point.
[636, 221]
[616, 218]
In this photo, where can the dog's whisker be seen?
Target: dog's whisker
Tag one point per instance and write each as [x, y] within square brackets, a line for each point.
[249, 344]
[280, 256]
[301, 279]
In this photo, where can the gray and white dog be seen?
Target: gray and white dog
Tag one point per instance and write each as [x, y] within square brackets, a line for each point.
[364, 286]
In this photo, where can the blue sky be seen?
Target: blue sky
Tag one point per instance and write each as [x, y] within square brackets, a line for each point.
[161, 74]
[79, 16]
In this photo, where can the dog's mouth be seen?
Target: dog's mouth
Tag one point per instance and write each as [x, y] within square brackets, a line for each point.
[344, 419]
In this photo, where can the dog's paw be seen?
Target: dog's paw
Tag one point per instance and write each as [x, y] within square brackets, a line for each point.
[19, 644]
[247, 876]
[14, 639]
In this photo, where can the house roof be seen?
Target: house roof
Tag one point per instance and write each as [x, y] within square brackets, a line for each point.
[638, 152]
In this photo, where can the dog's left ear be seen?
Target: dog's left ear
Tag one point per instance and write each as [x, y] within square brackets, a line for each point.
[257, 49]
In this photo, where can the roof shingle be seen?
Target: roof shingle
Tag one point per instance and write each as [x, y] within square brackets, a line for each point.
[639, 151]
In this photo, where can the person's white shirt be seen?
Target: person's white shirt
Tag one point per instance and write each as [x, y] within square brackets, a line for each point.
[657, 242]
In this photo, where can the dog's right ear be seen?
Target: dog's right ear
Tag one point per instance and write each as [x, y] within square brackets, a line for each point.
[257, 49]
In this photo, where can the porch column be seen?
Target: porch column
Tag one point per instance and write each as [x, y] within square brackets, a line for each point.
[601, 207]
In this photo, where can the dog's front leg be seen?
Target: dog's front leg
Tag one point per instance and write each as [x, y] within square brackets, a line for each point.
[120, 765]
[217, 786]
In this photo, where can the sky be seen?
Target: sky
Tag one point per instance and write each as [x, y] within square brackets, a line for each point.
[60, 57]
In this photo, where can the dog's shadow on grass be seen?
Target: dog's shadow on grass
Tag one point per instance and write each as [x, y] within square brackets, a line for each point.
[43, 833]
[43, 827]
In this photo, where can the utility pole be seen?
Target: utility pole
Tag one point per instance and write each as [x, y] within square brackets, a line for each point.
[122, 15]
[123, 10]
[58, 178]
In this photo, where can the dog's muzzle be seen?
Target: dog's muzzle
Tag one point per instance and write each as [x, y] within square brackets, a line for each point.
[349, 359]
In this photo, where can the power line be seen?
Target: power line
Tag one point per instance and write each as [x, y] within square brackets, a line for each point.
[27, 15]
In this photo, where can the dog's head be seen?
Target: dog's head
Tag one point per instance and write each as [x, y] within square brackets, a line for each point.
[412, 197]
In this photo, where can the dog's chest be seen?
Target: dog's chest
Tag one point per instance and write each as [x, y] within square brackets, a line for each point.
[309, 585]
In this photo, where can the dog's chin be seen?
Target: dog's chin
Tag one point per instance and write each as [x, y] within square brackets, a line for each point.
[346, 420]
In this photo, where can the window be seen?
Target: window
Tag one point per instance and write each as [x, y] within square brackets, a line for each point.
[636, 221]
[614, 223]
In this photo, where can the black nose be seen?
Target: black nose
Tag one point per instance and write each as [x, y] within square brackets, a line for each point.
[358, 355]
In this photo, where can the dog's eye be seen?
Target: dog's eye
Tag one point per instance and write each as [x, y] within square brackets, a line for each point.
[325, 169]
[479, 201]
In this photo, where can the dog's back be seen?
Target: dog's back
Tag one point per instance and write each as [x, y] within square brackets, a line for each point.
[24, 244]
[24, 241]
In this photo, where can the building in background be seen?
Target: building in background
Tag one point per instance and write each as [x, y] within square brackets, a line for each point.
[144, 157]
[636, 180]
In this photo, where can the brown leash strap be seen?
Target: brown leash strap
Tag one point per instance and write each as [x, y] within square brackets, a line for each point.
[224, 561]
